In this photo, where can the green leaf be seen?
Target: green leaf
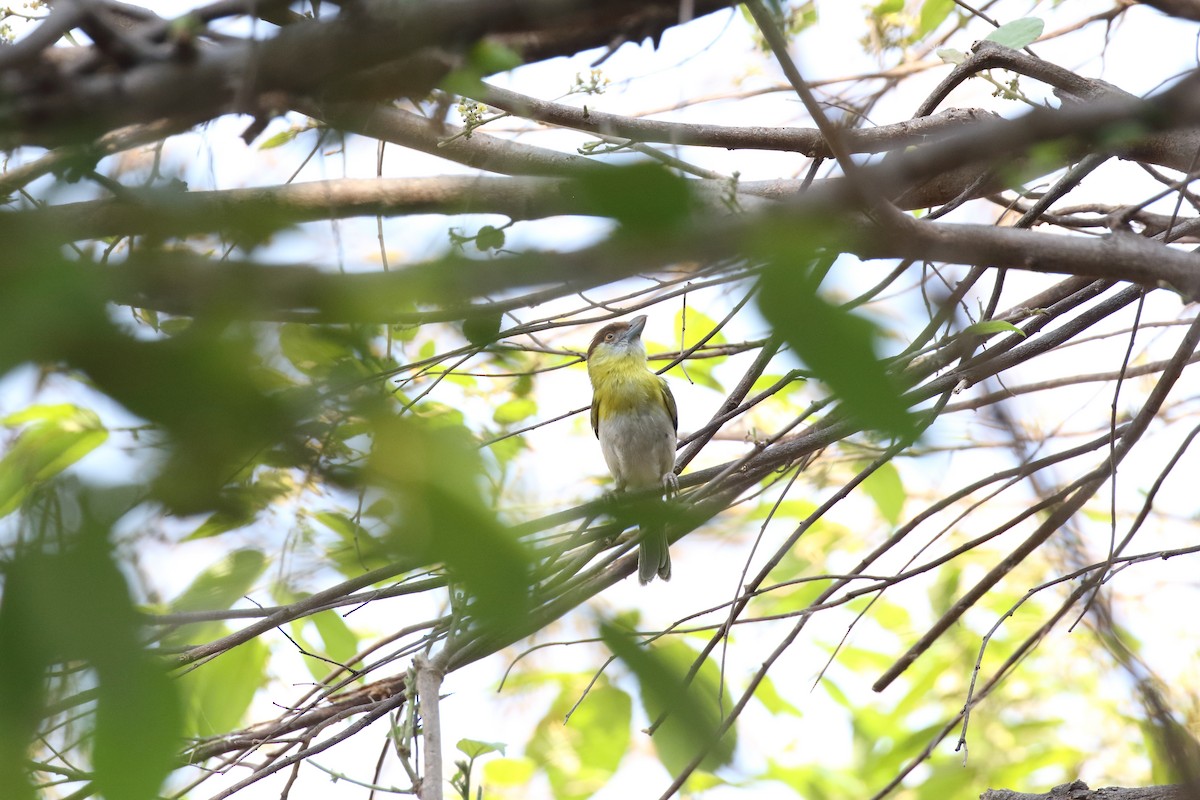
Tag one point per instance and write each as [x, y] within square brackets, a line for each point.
[508, 772]
[222, 584]
[342, 525]
[699, 372]
[933, 14]
[24, 658]
[63, 413]
[474, 748]
[579, 756]
[482, 328]
[74, 605]
[514, 410]
[341, 643]
[279, 139]
[485, 58]
[175, 325]
[951, 56]
[772, 700]
[1018, 33]
[505, 450]
[218, 693]
[433, 471]
[698, 325]
[489, 238]
[645, 198]
[693, 712]
[201, 386]
[57, 436]
[887, 490]
[993, 326]
[313, 349]
[138, 723]
[217, 523]
[837, 345]
[357, 549]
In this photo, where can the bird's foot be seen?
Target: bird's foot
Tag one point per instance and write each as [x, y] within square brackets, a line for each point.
[670, 483]
[610, 500]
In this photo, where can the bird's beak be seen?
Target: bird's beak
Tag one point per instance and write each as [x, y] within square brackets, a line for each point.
[635, 328]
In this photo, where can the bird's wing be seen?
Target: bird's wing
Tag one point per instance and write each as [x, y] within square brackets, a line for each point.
[668, 401]
[596, 414]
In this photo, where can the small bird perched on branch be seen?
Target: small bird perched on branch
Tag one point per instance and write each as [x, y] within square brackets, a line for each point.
[635, 419]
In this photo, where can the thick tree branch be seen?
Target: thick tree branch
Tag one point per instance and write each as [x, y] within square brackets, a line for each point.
[53, 105]
[808, 141]
[249, 214]
[1079, 790]
[189, 285]
[1175, 149]
[1185, 9]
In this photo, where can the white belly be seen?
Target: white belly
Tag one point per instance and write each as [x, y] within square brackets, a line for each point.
[639, 448]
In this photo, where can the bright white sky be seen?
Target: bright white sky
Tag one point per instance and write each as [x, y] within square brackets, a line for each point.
[710, 55]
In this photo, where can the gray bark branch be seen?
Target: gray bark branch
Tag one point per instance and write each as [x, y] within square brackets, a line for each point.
[1079, 790]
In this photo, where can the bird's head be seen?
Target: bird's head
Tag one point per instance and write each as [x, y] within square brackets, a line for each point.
[618, 344]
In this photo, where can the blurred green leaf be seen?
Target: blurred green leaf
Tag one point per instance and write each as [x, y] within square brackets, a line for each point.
[484, 58]
[481, 329]
[699, 325]
[951, 56]
[358, 550]
[580, 755]
[222, 584]
[244, 501]
[772, 700]
[138, 727]
[993, 326]
[24, 656]
[946, 588]
[72, 604]
[646, 198]
[474, 748]
[312, 348]
[217, 523]
[201, 386]
[279, 139]
[55, 437]
[215, 589]
[700, 372]
[837, 345]
[434, 473]
[886, 489]
[505, 450]
[218, 693]
[933, 14]
[489, 238]
[508, 772]
[693, 712]
[514, 410]
[341, 643]
[1018, 33]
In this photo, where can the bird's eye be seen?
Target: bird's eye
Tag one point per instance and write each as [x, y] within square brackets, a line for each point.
[608, 337]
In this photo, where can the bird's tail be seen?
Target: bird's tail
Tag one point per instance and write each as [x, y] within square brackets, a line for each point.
[654, 554]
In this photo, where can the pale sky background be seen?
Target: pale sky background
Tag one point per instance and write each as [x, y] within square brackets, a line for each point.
[710, 55]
